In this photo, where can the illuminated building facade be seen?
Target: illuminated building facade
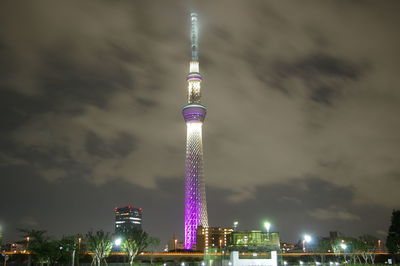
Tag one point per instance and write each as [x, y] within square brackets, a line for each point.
[194, 114]
[287, 247]
[253, 240]
[212, 237]
[127, 218]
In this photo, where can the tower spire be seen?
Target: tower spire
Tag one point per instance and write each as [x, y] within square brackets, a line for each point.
[194, 37]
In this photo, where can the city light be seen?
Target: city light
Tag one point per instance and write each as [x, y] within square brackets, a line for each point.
[343, 246]
[118, 242]
[307, 238]
[267, 226]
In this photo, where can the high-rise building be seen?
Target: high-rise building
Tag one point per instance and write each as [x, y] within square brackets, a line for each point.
[211, 237]
[127, 218]
[194, 113]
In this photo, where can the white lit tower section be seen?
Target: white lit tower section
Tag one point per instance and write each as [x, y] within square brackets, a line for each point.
[194, 114]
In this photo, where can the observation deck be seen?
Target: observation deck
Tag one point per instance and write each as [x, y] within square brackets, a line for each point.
[194, 112]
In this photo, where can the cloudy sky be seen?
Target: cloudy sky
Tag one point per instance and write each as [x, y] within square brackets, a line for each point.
[303, 122]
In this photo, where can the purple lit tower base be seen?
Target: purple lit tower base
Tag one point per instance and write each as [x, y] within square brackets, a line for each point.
[195, 199]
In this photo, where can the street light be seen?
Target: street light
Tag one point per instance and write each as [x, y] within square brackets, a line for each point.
[235, 225]
[267, 226]
[306, 239]
[344, 247]
[118, 242]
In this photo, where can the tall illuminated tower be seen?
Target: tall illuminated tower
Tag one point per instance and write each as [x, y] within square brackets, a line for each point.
[194, 114]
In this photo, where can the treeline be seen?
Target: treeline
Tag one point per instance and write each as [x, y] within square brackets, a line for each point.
[361, 249]
[99, 244]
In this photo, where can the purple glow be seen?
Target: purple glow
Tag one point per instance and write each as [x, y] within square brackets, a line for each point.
[194, 185]
[194, 76]
[194, 113]
[190, 78]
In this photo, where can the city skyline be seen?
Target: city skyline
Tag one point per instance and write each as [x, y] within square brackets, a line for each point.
[303, 132]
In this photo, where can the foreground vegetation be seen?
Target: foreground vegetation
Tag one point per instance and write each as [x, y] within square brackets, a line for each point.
[99, 245]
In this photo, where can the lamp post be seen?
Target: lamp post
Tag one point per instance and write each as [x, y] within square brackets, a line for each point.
[344, 247]
[267, 226]
[235, 225]
[27, 248]
[175, 240]
[307, 239]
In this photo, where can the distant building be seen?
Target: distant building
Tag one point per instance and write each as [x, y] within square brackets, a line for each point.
[174, 244]
[253, 240]
[211, 237]
[333, 235]
[287, 247]
[127, 218]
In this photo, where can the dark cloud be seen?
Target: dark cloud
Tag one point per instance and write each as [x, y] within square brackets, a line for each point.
[325, 76]
[122, 145]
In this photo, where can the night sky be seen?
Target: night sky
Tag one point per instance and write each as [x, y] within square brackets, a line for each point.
[303, 123]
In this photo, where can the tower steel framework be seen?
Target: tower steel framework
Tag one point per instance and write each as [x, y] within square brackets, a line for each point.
[194, 114]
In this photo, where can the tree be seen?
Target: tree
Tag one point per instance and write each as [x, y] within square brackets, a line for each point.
[393, 238]
[356, 249]
[153, 243]
[68, 246]
[323, 245]
[135, 241]
[368, 247]
[45, 250]
[100, 245]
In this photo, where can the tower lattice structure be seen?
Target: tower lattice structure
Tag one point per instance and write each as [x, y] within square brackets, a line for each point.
[194, 114]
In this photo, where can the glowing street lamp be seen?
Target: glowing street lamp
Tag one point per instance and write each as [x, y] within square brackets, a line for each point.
[267, 226]
[235, 225]
[306, 239]
[117, 242]
[344, 247]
